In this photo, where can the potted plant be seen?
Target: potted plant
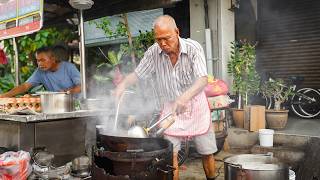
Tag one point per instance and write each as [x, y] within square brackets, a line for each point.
[241, 67]
[276, 93]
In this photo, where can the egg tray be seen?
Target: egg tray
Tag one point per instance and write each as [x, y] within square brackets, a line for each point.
[8, 105]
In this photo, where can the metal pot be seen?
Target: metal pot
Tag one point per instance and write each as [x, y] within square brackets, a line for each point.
[43, 158]
[254, 166]
[81, 166]
[56, 102]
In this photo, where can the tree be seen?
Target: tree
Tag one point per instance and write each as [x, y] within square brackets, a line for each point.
[242, 68]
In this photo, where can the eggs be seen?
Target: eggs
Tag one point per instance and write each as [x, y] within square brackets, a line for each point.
[24, 102]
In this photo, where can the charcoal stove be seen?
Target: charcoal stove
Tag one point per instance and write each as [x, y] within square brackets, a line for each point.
[118, 158]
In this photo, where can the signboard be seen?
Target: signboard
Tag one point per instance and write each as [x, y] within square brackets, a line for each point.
[20, 17]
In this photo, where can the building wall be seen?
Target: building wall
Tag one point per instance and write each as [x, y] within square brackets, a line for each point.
[197, 21]
[221, 24]
[226, 36]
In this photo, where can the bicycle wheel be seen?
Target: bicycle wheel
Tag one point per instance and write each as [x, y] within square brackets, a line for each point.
[305, 103]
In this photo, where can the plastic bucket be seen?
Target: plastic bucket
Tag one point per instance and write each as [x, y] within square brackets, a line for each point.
[266, 137]
[292, 175]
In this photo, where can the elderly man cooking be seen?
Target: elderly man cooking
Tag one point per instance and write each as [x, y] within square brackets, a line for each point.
[52, 73]
[178, 67]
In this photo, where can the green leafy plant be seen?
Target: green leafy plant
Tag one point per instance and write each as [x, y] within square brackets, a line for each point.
[139, 44]
[275, 91]
[112, 60]
[133, 48]
[7, 82]
[241, 67]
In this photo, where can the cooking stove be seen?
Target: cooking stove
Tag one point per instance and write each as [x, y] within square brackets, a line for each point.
[122, 158]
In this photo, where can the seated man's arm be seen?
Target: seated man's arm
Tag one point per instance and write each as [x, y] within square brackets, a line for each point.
[17, 90]
[75, 77]
[74, 90]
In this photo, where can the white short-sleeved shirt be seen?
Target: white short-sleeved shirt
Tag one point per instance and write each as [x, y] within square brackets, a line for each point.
[172, 81]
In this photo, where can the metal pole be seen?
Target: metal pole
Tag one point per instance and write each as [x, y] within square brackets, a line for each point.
[16, 61]
[209, 51]
[82, 57]
[208, 39]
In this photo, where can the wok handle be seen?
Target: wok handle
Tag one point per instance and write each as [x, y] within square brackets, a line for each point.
[169, 169]
[158, 122]
[235, 165]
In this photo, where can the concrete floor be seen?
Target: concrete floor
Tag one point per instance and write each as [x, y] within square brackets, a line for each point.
[308, 127]
[192, 168]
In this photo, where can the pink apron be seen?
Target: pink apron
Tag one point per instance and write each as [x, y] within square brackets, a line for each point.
[194, 121]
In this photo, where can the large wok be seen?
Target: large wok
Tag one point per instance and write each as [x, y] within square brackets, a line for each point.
[140, 153]
[126, 144]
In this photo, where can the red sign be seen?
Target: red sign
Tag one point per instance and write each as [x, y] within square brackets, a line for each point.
[20, 17]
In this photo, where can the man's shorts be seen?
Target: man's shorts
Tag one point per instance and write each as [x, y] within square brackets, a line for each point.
[205, 143]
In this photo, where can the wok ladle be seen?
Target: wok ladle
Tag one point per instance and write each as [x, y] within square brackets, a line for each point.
[140, 132]
[118, 107]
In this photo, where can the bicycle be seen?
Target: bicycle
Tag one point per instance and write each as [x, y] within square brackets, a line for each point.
[305, 102]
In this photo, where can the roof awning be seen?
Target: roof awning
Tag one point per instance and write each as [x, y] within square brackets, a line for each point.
[56, 11]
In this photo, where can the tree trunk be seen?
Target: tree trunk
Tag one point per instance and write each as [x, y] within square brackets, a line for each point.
[239, 101]
[277, 105]
[133, 58]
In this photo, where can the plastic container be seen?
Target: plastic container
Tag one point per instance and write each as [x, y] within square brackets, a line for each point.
[292, 175]
[266, 137]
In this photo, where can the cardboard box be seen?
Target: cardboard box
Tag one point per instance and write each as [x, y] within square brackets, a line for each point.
[254, 118]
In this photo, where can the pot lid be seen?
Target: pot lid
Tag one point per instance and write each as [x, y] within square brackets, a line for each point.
[255, 162]
[49, 92]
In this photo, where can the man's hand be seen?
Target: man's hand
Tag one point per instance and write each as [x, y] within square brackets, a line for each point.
[17, 90]
[118, 92]
[74, 90]
[180, 105]
[126, 82]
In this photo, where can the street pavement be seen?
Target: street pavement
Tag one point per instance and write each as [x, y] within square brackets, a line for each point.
[192, 168]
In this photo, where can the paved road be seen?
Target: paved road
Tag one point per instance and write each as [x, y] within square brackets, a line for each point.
[309, 127]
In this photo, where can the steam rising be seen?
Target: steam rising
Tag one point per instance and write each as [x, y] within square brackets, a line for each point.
[137, 105]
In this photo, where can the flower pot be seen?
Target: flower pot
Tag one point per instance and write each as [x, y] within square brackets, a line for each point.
[238, 117]
[276, 119]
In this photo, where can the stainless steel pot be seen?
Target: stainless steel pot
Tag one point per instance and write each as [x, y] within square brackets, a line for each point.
[43, 158]
[56, 102]
[254, 166]
[81, 166]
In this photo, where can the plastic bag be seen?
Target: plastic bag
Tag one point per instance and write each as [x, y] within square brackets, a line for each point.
[15, 165]
[219, 101]
[215, 87]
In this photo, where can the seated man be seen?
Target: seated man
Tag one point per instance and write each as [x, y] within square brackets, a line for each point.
[61, 53]
[55, 75]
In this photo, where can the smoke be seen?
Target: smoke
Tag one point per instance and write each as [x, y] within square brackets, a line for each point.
[139, 105]
[136, 107]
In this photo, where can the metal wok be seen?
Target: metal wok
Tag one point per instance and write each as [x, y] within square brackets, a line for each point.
[127, 144]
